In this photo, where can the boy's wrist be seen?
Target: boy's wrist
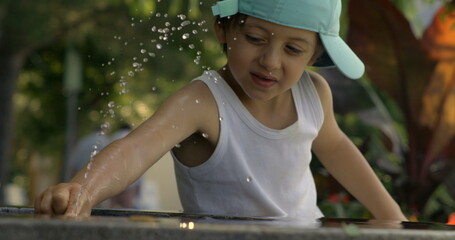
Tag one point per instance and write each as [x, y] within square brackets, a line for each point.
[392, 212]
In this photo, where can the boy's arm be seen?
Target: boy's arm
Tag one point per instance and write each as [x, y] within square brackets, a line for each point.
[347, 164]
[125, 160]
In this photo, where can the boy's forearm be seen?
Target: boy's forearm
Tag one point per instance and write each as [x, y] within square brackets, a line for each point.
[350, 168]
[111, 171]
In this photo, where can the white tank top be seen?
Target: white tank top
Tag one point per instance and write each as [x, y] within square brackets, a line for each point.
[255, 171]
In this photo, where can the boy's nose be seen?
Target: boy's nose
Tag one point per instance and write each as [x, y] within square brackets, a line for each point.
[270, 59]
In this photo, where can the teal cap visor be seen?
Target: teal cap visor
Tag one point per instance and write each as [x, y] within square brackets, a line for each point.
[321, 16]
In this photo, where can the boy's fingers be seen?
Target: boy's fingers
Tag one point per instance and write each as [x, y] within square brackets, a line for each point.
[60, 201]
[37, 204]
[45, 203]
[72, 209]
[78, 204]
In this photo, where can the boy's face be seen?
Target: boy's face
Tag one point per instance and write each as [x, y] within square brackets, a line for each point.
[267, 59]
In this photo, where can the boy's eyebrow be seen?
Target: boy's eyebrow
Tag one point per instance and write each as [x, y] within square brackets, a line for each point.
[300, 39]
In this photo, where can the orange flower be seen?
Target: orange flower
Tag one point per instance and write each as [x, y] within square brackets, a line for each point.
[451, 219]
[439, 36]
[338, 197]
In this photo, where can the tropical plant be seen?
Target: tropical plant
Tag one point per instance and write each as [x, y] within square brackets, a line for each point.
[419, 76]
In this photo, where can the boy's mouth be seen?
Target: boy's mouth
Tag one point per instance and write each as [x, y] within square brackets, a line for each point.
[263, 80]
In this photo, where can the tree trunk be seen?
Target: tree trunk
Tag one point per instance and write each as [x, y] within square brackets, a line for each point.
[11, 63]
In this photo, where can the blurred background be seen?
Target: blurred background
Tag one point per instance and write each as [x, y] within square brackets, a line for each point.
[76, 75]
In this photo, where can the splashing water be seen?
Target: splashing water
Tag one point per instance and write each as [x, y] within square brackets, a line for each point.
[95, 149]
[149, 51]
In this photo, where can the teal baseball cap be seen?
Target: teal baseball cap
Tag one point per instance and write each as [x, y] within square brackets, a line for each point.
[321, 16]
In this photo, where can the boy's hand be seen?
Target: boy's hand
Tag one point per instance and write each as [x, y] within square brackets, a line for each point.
[62, 200]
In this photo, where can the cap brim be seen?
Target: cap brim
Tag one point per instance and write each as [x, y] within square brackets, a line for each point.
[343, 56]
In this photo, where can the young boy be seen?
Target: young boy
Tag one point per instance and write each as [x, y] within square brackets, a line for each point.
[245, 132]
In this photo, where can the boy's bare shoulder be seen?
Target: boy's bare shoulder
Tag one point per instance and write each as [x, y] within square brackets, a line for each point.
[319, 81]
[194, 101]
[323, 89]
[195, 94]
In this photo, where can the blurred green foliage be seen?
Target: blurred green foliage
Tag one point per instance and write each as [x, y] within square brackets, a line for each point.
[134, 53]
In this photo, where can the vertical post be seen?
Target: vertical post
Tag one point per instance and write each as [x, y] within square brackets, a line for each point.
[11, 62]
[72, 84]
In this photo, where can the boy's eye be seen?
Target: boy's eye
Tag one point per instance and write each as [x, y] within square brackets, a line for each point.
[253, 39]
[293, 49]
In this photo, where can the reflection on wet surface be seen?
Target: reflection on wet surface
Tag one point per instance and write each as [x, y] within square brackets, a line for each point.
[190, 221]
[363, 223]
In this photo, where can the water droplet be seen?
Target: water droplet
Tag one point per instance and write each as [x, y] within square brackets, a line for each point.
[185, 23]
[249, 179]
[191, 46]
[112, 73]
[123, 83]
[221, 119]
[159, 46]
[143, 51]
[197, 101]
[111, 104]
[130, 73]
[105, 126]
[185, 36]
[177, 145]
[93, 154]
[205, 135]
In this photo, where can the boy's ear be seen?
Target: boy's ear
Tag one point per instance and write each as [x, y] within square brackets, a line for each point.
[318, 52]
[220, 32]
[313, 59]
